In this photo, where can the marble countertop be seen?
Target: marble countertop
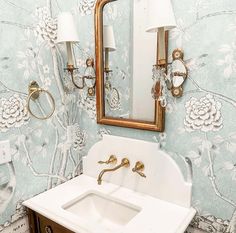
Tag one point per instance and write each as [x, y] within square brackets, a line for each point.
[156, 216]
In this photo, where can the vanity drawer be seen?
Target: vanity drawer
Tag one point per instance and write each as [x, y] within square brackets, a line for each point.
[41, 224]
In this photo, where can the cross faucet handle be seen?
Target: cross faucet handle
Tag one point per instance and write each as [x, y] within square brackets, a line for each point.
[139, 167]
[112, 160]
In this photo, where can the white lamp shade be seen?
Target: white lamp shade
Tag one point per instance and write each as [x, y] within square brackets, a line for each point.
[66, 29]
[108, 38]
[160, 14]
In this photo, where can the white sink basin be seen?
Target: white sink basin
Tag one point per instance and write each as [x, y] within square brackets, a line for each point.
[103, 211]
[82, 206]
[125, 202]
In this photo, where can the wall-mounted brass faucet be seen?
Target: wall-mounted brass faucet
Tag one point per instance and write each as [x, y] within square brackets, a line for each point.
[124, 163]
[139, 167]
[112, 160]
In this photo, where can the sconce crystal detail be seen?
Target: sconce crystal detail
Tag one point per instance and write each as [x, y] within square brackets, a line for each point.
[159, 88]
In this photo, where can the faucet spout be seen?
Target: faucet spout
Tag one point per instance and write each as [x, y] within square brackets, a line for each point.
[124, 163]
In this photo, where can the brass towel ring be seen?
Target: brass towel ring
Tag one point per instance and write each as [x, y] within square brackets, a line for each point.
[34, 92]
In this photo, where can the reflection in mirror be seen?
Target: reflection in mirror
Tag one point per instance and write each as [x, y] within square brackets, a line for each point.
[116, 58]
[129, 56]
[108, 44]
[125, 54]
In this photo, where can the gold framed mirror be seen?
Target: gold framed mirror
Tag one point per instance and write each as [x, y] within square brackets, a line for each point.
[154, 122]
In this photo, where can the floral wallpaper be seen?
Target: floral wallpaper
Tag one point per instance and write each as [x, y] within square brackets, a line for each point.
[201, 125]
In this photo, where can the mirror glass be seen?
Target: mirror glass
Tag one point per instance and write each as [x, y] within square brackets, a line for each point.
[129, 53]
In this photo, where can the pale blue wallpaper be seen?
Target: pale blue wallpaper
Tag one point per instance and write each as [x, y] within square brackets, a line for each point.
[200, 125]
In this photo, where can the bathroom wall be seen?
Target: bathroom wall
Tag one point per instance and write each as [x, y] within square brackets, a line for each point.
[43, 153]
[200, 125]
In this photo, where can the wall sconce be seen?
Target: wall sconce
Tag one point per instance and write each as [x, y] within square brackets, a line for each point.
[67, 33]
[109, 45]
[160, 19]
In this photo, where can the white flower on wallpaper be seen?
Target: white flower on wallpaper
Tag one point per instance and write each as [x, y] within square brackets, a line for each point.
[27, 60]
[230, 166]
[80, 138]
[86, 7]
[47, 82]
[113, 98]
[19, 213]
[179, 35]
[7, 189]
[228, 59]
[203, 114]
[103, 131]
[75, 138]
[210, 223]
[111, 12]
[160, 139]
[199, 5]
[87, 104]
[46, 69]
[13, 112]
[46, 26]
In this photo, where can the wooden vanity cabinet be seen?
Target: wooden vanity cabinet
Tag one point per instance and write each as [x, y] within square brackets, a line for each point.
[41, 224]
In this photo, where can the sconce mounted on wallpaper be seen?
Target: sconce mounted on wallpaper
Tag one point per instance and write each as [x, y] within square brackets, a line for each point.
[67, 33]
[34, 95]
[160, 19]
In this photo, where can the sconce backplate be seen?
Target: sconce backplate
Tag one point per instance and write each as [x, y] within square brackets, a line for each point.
[178, 54]
[179, 73]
